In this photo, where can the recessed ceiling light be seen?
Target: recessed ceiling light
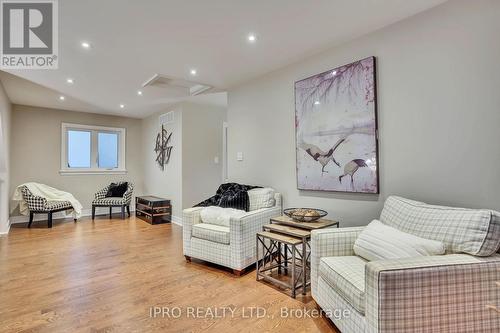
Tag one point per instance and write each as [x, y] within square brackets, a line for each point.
[251, 38]
[70, 80]
[193, 72]
[317, 103]
[85, 45]
[62, 98]
[122, 106]
[139, 92]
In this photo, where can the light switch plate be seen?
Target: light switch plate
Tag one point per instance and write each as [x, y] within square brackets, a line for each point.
[239, 156]
[216, 159]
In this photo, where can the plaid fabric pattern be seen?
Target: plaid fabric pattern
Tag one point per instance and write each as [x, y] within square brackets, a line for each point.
[39, 204]
[240, 253]
[213, 252]
[35, 203]
[110, 201]
[211, 232]
[492, 233]
[261, 198]
[190, 217]
[331, 302]
[243, 233]
[330, 242]
[471, 231]
[54, 205]
[101, 194]
[101, 199]
[346, 275]
[451, 293]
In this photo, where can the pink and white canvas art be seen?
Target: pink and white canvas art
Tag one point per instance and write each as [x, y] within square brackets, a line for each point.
[336, 129]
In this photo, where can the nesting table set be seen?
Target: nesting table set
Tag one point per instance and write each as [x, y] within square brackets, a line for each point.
[284, 259]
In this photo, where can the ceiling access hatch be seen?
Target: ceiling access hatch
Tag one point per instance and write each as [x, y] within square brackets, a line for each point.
[189, 88]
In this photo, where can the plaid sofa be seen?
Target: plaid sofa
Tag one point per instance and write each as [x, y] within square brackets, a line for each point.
[456, 292]
[232, 247]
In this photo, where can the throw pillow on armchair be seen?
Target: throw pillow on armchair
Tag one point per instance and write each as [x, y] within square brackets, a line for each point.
[117, 190]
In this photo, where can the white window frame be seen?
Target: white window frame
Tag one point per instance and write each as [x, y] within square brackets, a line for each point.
[94, 169]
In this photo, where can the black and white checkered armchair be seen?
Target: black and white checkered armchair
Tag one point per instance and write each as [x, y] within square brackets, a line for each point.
[40, 205]
[100, 200]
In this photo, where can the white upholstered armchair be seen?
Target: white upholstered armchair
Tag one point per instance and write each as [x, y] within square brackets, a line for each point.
[232, 246]
[455, 292]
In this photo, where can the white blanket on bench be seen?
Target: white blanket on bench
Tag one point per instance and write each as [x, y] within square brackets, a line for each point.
[49, 193]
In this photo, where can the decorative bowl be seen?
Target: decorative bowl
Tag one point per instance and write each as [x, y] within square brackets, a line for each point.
[305, 214]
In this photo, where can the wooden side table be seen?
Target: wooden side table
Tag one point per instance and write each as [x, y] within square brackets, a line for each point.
[284, 236]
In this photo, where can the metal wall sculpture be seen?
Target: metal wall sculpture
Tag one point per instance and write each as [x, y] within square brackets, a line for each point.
[162, 148]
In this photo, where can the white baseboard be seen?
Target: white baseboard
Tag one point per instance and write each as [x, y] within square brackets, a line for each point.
[177, 220]
[63, 215]
[8, 228]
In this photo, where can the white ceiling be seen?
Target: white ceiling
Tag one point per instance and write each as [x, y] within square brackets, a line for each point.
[132, 40]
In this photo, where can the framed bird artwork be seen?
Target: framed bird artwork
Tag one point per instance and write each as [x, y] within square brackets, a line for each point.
[336, 129]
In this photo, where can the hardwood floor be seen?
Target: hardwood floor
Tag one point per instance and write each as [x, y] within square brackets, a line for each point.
[106, 275]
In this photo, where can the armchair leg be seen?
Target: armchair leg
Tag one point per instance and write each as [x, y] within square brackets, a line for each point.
[123, 212]
[110, 211]
[31, 219]
[128, 210]
[238, 272]
[49, 221]
[93, 212]
[188, 258]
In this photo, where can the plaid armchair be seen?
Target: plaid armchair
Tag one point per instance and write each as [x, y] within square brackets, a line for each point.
[40, 205]
[455, 292]
[100, 200]
[232, 246]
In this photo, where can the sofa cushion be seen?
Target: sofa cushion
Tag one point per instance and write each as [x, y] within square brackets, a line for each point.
[346, 275]
[110, 201]
[53, 205]
[379, 241]
[261, 198]
[220, 216]
[211, 232]
[472, 231]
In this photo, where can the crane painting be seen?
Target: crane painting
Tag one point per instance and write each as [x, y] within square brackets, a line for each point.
[336, 129]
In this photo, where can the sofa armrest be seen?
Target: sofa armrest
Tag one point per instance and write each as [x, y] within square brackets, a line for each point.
[436, 293]
[190, 217]
[34, 202]
[128, 193]
[330, 242]
[243, 232]
[101, 193]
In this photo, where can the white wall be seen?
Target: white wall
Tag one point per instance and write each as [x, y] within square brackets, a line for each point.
[201, 143]
[439, 114]
[191, 175]
[168, 183]
[5, 129]
[36, 152]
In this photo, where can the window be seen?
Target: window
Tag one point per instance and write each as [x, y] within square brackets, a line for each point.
[79, 143]
[107, 150]
[92, 149]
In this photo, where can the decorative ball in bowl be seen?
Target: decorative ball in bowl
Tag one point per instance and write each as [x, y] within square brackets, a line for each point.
[305, 214]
